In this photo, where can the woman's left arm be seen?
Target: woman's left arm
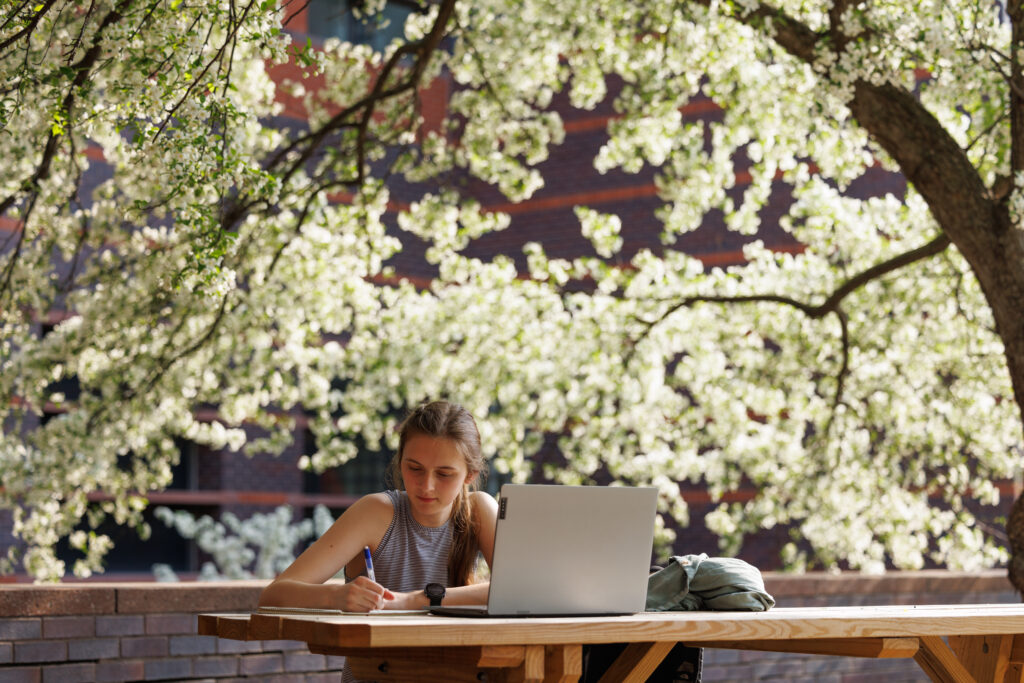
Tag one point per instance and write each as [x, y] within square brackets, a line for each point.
[485, 510]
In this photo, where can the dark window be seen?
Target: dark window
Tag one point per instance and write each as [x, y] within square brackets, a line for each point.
[186, 472]
[361, 475]
[335, 18]
[132, 554]
[68, 386]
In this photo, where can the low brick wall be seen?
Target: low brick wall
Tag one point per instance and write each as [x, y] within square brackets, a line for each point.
[141, 632]
[147, 631]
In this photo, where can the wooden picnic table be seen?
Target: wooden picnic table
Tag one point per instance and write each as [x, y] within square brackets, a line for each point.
[951, 643]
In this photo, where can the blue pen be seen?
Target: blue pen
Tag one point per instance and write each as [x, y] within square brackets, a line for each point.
[369, 563]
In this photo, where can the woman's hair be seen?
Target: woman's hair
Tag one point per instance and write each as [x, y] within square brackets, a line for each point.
[441, 419]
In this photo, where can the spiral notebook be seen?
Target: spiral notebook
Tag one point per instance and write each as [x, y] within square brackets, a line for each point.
[567, 551]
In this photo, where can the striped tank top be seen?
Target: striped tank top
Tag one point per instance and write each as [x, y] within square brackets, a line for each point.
[410, 555]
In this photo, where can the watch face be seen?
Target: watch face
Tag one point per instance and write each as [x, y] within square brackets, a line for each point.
[435, 592]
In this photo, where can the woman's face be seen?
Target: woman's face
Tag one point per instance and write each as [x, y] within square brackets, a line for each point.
[433, 472]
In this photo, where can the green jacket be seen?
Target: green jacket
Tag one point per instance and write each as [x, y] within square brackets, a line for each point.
[697, 582]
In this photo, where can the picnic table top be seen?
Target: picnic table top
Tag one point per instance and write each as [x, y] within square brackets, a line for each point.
[886, 621]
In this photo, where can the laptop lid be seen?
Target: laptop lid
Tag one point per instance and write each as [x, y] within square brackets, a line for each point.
[568, 550]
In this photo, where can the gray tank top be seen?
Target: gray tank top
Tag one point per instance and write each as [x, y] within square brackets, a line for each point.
[410, 555]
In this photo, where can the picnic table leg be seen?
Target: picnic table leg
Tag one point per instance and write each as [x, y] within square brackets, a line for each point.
[1015, 671]
[563, 663]
[637, 662]
[940, 663]
[987, 658]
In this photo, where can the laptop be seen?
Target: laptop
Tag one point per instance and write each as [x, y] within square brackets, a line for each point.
[568, 551]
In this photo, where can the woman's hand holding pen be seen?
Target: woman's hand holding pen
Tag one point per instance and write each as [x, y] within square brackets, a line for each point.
[363, 595]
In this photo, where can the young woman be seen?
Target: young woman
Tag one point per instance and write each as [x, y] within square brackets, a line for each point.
[426, 533]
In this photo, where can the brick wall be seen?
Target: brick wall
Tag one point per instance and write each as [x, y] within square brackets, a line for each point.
[147, 631]
[140, 632]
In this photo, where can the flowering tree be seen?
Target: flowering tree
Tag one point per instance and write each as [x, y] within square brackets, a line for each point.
[869, 386]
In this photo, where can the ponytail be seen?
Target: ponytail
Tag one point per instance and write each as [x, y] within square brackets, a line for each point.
[462, 557]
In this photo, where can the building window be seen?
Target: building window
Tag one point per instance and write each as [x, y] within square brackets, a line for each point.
[186, 472]
[336, 19]
[366, 473]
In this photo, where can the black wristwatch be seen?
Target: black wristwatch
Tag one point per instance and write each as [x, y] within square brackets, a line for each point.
[435, 593]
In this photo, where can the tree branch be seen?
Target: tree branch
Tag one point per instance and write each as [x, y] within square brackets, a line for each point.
[933, 248]
[229, 40]
[844, 367]
[423, 49]
[833, 305]
[29, 27]
[1015, 10]
[790, 34]
[835, 20]
[162, 365]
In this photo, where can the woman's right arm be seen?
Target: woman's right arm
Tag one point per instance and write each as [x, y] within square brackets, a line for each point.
[302, 584]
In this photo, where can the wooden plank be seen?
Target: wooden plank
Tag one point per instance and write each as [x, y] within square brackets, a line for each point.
[382, 652]
[265, 626]
[501, 656]
[879, 648]
[563, 663]
[1017, 651]
[232, 626]
[637, 662]
[987, 658]
[939, 662]
[525, 664]
[537, 663]
[398, 670]
[532, 668]
[551, 664]
[297, 629]
[483, 657]
[1015, 669]
[207, 625]
[892, 621]
[425, 664]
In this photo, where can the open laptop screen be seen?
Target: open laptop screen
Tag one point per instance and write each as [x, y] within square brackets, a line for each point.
[571, 550]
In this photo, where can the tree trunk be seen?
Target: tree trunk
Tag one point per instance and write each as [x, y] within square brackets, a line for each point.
[975, 221]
